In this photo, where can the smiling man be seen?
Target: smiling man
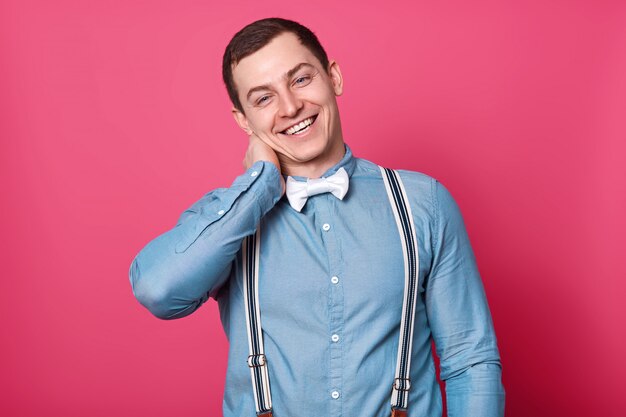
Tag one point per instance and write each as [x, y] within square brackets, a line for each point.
[286, 97]
[331, 295]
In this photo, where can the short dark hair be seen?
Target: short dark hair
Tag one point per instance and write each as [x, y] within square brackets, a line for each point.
[254, 37]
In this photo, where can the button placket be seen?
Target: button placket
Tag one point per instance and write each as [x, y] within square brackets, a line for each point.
[326, 210]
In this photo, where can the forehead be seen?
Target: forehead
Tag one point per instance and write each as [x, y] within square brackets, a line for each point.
[269, 64]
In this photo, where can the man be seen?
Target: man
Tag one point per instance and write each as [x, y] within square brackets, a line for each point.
[329, 265]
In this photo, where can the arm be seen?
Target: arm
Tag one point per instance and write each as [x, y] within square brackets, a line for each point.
[176, 272]
[460, 319]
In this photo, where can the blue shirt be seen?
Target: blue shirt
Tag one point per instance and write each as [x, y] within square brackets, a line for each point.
[331, 280]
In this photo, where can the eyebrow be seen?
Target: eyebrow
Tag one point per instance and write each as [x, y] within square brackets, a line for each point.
[288, 74]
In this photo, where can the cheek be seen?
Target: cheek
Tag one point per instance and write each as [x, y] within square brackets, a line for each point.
[260, 122]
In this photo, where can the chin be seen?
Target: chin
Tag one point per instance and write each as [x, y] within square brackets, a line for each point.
[308, 151]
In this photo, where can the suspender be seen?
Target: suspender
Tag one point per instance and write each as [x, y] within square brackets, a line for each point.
[404, 219]
[256, 359]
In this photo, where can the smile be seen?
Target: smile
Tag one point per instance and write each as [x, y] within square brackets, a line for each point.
[300, 127]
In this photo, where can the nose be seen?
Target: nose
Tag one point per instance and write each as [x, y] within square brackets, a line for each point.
[289, 104]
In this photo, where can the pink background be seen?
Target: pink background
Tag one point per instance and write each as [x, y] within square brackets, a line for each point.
[114, 120]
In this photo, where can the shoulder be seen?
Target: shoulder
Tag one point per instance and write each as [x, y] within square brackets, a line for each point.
[415, 182]
[414, 178]
[433, 203]
[421, 189]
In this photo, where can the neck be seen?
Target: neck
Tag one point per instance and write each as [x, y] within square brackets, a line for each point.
[316, 167]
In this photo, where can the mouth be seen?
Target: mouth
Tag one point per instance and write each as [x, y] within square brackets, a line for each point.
[300, 127]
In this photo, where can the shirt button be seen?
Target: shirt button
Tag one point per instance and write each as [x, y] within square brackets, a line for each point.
[326, 227]
[334, 280]
[334, 394]
[254, 174]
[335, 338]
[220, 212]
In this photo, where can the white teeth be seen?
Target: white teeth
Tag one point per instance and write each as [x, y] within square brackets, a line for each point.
[300, 126]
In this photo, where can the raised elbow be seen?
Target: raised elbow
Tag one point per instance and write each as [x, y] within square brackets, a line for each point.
[150, 293]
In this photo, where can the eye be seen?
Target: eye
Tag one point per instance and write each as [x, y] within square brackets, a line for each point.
[302, 80]
[262, 100]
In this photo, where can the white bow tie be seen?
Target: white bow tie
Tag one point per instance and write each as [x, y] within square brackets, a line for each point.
[299, 191]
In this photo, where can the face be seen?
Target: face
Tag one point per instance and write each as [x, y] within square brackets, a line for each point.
[289, 102]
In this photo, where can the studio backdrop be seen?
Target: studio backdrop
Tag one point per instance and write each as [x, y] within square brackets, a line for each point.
[114, 120]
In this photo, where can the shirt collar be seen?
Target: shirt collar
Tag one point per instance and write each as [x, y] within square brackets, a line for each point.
[347, 162]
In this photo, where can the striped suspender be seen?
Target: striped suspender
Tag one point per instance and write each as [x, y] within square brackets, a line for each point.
[256, 359]
[404, 219]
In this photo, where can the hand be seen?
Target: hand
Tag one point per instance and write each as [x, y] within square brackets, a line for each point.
[260, 151]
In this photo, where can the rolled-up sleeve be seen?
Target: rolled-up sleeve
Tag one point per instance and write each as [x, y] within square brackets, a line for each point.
[460, 319]
[179, 270]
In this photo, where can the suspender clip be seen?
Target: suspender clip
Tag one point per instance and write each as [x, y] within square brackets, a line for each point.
[402, 384]
[255, 361]
[398, 412]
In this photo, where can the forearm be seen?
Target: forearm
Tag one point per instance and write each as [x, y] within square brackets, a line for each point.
[477, 391]
[177, 271]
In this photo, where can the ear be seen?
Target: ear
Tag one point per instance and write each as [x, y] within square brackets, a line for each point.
[336, 78]
[241, 120]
